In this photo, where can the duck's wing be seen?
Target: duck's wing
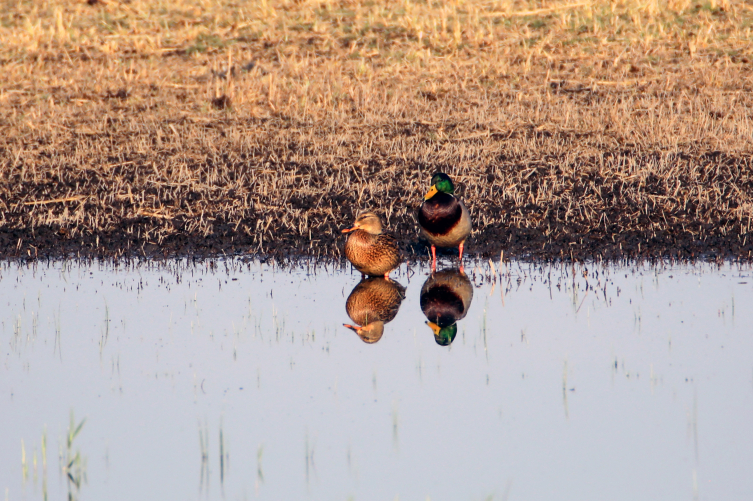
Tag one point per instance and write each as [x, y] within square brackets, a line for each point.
[387, 245]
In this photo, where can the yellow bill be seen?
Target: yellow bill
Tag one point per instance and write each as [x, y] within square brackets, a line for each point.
[434, 327]
[433, 191]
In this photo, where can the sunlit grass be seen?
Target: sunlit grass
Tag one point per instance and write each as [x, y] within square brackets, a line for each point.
[267, 123]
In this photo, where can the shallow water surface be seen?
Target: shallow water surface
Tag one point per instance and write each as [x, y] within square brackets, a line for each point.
[237, 380]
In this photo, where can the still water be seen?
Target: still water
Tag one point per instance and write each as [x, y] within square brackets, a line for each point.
[239, 380]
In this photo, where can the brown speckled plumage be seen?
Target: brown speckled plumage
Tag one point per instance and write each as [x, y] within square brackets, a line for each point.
[371, 304]
[371, 251]
[374, 299]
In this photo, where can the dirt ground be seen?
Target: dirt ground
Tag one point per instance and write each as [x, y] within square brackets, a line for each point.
[573, 130]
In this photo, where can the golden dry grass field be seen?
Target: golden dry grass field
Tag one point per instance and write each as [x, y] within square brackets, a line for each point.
[573, 129]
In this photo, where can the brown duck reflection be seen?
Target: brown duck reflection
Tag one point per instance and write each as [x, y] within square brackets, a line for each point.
[371, 304]
[445, 299]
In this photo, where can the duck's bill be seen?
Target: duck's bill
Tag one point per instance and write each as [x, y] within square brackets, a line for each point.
[352, 327]
[434, 327]
[346, 230]
[433, 191]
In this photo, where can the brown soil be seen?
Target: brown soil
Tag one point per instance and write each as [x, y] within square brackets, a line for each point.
[573, 131]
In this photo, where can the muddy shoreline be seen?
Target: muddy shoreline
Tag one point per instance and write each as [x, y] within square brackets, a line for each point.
[662, 231]
[48, 244]
[619, 204]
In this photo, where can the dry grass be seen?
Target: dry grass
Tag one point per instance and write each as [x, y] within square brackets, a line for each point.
[575, 129]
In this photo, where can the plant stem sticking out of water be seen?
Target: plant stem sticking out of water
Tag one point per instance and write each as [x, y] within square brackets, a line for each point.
[56, 347]
[564, 389]
[105, 330]
[24, 466]
[44, 464]
[259, 471]
[224, 456]
[73, 464]
[395, 425]
[310, 465]
[483, 331]
[204, 448]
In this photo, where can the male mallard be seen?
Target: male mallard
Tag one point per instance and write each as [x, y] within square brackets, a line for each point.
[372, 303]
[443, 219]
[445, 299]
[371, 251]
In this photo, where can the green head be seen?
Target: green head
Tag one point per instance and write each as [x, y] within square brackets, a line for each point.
[440, 182]
[443, 335]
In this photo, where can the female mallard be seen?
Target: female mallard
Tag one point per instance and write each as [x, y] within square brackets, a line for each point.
[445, 299]
[443, 219]
[371, 304]
[371, 251]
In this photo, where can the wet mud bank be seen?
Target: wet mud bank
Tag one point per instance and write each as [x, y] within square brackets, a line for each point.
[527, 244]
[613, 206]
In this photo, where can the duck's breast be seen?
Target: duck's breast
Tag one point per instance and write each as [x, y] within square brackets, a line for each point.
[444, 220]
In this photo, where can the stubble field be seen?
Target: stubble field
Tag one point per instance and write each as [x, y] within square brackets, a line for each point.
[573, 130]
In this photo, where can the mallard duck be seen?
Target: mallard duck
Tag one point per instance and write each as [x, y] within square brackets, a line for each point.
[443, 218]
[371, 304]
[445, 299]
[372, 252]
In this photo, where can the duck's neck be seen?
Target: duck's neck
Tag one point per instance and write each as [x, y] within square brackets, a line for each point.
[362, 236]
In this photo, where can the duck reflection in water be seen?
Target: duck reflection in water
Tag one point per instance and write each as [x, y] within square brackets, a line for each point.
[445, 298]
[371, 304]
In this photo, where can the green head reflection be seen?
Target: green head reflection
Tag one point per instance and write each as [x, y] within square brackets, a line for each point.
[443, 335]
